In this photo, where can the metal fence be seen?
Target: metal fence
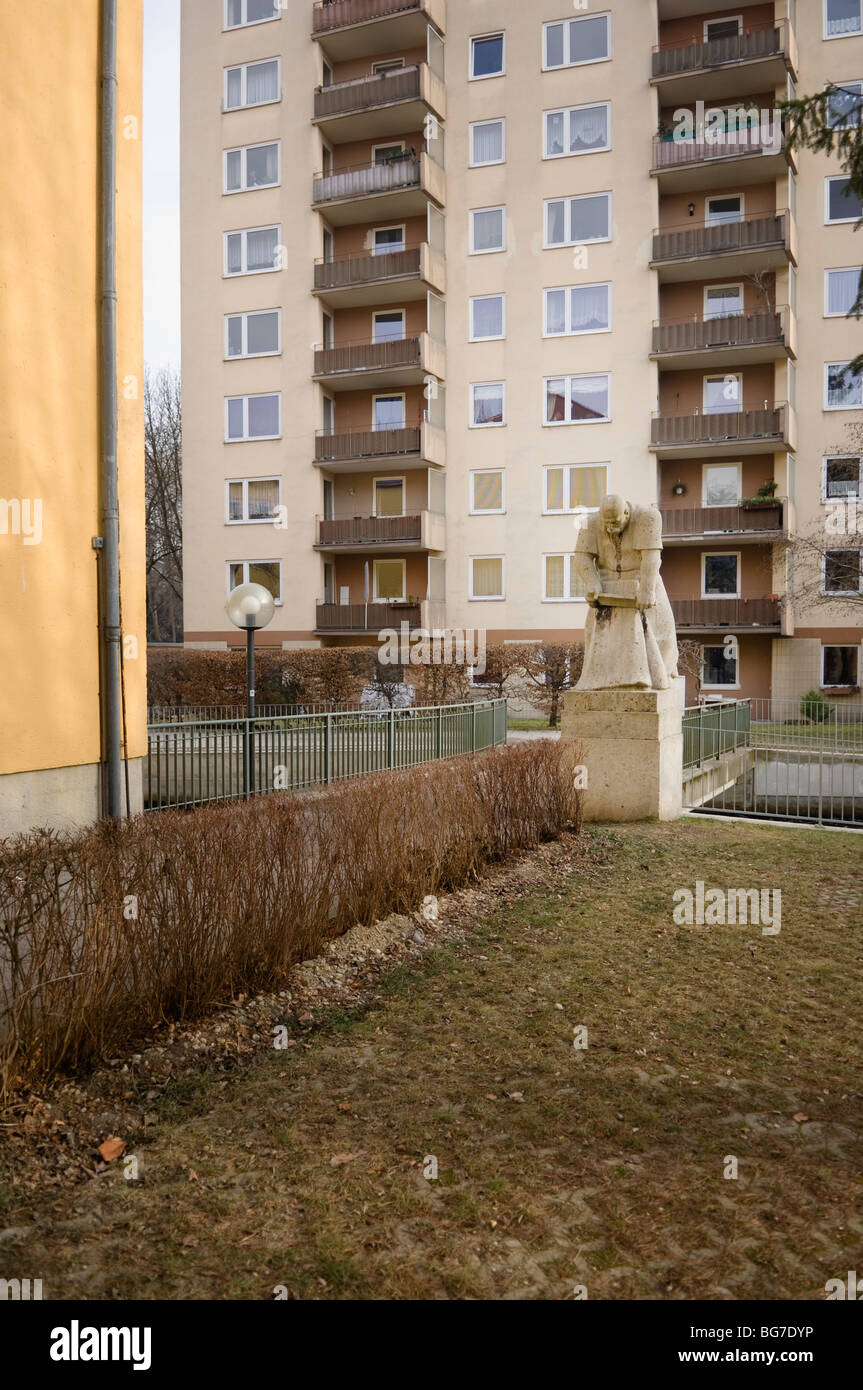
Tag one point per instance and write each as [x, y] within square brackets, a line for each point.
[191, 764]
[196, 714]
[711, 730]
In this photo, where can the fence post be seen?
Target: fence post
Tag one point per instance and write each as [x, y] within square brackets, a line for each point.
[438, 749]
[391, 739]
[473, 729]
[328, 749]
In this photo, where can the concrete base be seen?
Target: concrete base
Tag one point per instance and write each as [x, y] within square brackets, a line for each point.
[62, 798]
[631, 745]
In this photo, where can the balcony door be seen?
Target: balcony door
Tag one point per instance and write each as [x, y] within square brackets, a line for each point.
[723, 395]
[388, 239]
[388, 326]
[388, 413]
[720, 211]
[389, 581]
[389, 497]
[723, 301]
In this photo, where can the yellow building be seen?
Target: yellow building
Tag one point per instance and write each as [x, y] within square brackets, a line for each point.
[57, 699]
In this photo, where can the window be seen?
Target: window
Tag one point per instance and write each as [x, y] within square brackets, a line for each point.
[718, 667]
[487, 317]
[328, 415]
[574, 221]
[487, 404]
[487, 143]
[720, 575]
[251, 166]
[388, 154]
[720, 484]
[577, 130]
[486, 577]
[240, 12]
[841, 204]
[719, 211]
[842, 478]
[388, 413]
[723, 28]
[387, 240]
[487, 230]
[253, 499]
[577, 309]
[842, 17]
[253, 335]
[487, 56]
[843, 389]
[560, 579]
[389, 497]
[252, 417]
[840, 665]
[388, 65]
[573, 41]
[389, 580]
[487, 492]
[723, 301]
[574, 488]
[252, 84]
[388, 326]
[577, 400]
[843, 107]
[842, 571]
[265, 572]
[841, 288]
[723, 394]
[253, 251]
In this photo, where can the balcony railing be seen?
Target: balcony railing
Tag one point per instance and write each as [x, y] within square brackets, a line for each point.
[366, 617]
[726, 612]
[338, 14]
[675, 154]
[369, 530]
[364, 179]
[367, 356]
[753, 234]
[363, 93]
[723, 521]
[752, 44]
[358, 444]
[367, 270]
[731, 330]
[719, 428]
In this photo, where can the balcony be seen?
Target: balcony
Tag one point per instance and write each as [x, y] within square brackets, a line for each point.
[726, 248]
[703, 435]
[699, 342]
[414, 446]
[374, 192]
[348, 27]
[379, 105]
[382, 534]
[393, 278]
[758, 59]
[396, 362]
[737, 158]
[711, 614]
[691, 525]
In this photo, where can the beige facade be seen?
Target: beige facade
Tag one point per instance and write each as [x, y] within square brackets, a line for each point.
[487, 282]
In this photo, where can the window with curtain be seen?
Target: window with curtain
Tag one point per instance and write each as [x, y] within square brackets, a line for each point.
[252, 166]
[487, 142]
[389, 497]
[721, 485]
[252, 84]
[843, 107]
[577, 309]
[577, 399]
[487, 403]
[841, 290]
[389, 327]
[239, 12]
[486, 317]
[722, 395]
[722, 301]
[389, 579]
[575, 487]
[843, 387]
[486, 576]
[486, 230]
[389, 413]
[561, 581]
[842, 17]
[487, 491]
[574, 221]
[577, 130]
[265, 572]
[263, 498]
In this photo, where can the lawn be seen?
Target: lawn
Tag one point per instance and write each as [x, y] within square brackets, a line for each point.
[599, 1168]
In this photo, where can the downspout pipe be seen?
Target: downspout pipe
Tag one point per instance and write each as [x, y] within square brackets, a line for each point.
[112, 634]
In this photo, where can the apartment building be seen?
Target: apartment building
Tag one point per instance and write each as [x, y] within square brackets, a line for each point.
[452, 271]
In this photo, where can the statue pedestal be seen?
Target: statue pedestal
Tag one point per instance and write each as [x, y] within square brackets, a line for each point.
[631, 744]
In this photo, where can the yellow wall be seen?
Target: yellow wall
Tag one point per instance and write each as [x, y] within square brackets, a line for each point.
[49, 384]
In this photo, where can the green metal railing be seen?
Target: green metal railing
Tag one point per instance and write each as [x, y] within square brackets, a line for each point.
[191, 764]
[711, 730]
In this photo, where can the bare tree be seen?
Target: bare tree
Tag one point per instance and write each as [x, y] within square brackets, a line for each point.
[163, 490]
[550, 669]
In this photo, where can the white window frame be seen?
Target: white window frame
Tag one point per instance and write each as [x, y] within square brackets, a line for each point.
[246, 23]
[721, 198]
[389, 560]
[477, 38]
[841, 593]
[569, 567]
[487, 163]
[568, 378]
[831, 270]
[389, 396]
[245, 437]
[473, 510]
[487, 598]
[245, 315]
[493, 337]
[243, 68]
[840, 363]
[723, 377]
[835, 221]
[711, 506]
[848, 496]
[852, 33]
[386, 66]
[490, 250]
[568, 61]
[571, 332]
[722, 19]
[853, 646]
[245, 519]
[730, 285]
[394, 227]
[491, 424]
[245, 563]
[388, 313]
[850, 82]
[566, 111]
[722, 685]
[580, 241]
[717, 555]
[387, 145]
[568, 468]
[243, 150]
[389, 478]
[244, 233]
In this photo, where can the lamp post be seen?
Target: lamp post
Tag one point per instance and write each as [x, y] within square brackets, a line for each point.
[250, 607]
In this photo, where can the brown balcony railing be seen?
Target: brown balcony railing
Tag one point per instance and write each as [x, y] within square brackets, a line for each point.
[725, 521]
[366, 356]
[367, 530]
[753, 234]
[363, 179]
[731, 330]
[365, 617]
[675, 154]
[364, 93]
[726, 612]
[719, 428]
[756, 42]
[367, 270]
[337, 14]
[358, 444]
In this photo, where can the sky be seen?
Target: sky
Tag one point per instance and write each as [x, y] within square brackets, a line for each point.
[162, 183]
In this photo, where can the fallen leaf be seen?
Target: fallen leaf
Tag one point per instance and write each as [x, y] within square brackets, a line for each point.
[800, 1118]
[111, 1149]
[338, 1159]
[516, 1095]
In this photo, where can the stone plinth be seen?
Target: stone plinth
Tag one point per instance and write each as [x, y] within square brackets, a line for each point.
[631, 744]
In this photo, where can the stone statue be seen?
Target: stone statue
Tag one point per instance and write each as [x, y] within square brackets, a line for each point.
[629, 639]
